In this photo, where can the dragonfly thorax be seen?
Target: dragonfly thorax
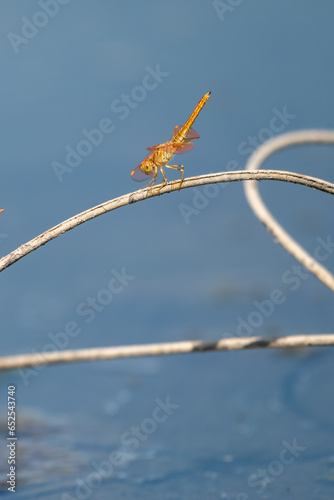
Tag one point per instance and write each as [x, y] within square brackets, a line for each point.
[161, 155]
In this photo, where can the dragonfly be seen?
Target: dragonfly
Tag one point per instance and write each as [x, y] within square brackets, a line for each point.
[161, 154]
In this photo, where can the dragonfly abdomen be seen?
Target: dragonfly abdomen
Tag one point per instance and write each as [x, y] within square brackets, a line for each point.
[182, 133]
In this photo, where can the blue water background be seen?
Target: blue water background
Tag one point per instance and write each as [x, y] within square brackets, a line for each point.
[198, 276]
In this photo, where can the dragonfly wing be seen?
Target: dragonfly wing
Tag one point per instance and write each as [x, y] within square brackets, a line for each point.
[182, 147]
[176, 129]
[138, 175]
[192, 134]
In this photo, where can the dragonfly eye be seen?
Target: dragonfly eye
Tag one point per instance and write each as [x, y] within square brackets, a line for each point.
[146, 167]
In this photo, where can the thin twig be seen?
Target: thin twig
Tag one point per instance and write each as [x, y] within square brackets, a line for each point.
[142, 194]
[163, 349]
[300, 138]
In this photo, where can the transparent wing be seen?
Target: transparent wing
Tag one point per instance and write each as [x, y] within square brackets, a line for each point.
[138, 175]
[182, 147]
[192, 134]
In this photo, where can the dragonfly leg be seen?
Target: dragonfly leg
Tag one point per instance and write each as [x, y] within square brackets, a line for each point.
[164, 182]
[180, 168]
[154, 178]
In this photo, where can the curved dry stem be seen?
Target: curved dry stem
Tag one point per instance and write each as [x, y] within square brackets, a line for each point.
[163, 349]
[142, 194]
[254, 199]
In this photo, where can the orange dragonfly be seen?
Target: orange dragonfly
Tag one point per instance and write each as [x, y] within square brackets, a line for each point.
[160, 154]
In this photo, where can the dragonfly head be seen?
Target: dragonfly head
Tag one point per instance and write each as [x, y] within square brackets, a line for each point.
[147, 166]
[144, 169]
